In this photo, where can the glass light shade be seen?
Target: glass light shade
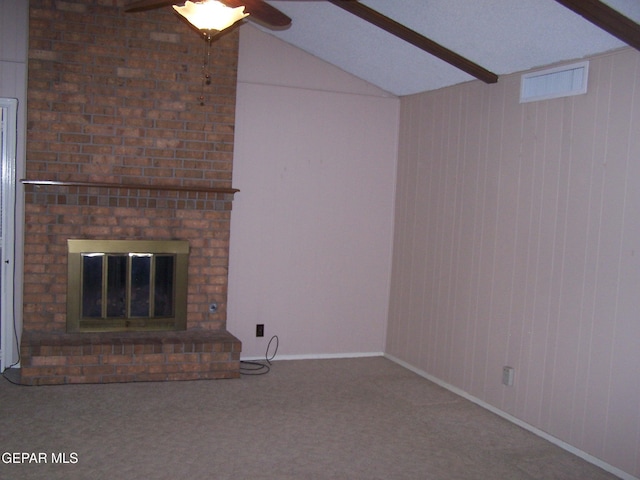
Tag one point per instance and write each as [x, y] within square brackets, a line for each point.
[210, 14]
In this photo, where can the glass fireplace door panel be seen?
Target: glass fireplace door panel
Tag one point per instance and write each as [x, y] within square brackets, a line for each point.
[163, 295]
[140, 285]
[92, 286]
[116, 286]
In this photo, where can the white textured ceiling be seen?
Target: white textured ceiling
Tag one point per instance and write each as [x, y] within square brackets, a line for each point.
[503, 36]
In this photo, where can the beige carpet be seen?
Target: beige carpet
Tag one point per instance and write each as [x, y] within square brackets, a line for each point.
[364, 418]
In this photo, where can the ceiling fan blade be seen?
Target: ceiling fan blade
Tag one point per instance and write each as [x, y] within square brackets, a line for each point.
[261, 12]
[142, 5]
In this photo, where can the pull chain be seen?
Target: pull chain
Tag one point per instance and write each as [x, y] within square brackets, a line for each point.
[206, 75]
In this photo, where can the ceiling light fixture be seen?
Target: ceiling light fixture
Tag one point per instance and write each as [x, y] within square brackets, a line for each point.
[210, 16]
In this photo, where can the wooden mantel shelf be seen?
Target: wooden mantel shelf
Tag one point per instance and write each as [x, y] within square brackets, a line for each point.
[172, 188]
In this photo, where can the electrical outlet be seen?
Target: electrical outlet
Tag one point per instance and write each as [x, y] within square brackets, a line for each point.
[507, 376]
[260, 330]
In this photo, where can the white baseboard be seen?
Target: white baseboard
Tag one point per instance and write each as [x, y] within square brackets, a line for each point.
[550, 438]
[317, 356]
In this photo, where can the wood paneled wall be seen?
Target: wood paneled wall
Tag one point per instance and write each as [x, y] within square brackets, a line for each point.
[518, 243]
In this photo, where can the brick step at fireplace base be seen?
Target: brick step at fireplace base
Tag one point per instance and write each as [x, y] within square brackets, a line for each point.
[53, 359]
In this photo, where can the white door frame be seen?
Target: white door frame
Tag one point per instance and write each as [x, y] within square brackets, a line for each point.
[9, 132]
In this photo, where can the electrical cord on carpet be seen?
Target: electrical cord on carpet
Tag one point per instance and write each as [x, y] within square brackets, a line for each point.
[251, 367]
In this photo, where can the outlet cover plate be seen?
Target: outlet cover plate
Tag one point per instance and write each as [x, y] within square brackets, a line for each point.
[508, 374]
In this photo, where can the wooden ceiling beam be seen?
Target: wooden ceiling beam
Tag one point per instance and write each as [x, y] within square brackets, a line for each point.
[416, 39]
[607, 18]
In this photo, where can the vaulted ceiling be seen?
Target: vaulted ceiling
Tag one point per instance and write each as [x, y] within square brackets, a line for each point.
[499, 36]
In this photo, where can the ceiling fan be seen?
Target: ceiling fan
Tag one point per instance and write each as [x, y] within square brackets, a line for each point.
[258, 10]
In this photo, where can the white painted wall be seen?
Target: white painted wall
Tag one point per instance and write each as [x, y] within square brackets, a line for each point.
[311, 229]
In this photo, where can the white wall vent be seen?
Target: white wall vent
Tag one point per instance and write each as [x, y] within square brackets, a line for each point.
[554, 82]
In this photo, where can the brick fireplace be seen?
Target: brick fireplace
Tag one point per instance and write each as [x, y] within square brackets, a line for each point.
[125, 141]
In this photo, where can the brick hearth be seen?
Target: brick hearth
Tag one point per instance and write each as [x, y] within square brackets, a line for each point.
[132, 357]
